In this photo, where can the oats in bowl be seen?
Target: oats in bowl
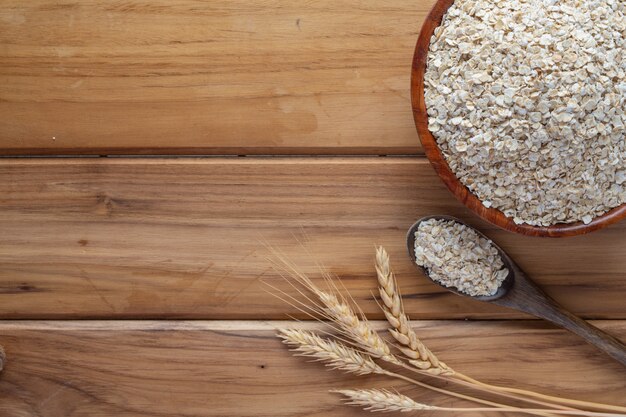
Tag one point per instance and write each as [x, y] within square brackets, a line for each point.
[526, 100]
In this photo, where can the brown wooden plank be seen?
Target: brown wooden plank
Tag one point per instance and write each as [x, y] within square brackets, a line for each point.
[184, 238]
[58, 369]
[210, 77]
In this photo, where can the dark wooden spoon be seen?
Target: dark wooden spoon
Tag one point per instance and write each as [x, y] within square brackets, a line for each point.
[520, 293]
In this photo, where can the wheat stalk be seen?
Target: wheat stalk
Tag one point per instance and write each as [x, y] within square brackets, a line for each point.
[339, 356]
[538, 398]
[410, 345]
[387, 401]
[356, 330]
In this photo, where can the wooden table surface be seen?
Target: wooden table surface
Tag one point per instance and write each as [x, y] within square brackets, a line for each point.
[132, 285]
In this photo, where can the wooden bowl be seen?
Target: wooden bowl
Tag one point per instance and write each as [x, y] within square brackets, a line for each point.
[437, 160]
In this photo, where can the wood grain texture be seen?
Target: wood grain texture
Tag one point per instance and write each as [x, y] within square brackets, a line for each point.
[62, 369]
[218, 77]
[185, 238]
[460, 191]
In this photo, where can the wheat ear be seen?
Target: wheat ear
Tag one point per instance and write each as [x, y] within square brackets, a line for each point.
[3, 358]
[387, 401]
[381, 400]
[410, 345]
[336, 355]
[541, 398]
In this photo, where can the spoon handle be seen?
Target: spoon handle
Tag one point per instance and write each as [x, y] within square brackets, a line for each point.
[528, 297]
[600, 339]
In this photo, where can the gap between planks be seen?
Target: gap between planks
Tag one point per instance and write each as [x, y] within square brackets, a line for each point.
[235, 326]
[201, 159]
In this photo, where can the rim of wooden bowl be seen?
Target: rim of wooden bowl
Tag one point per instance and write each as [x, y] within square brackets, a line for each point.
[462, 193]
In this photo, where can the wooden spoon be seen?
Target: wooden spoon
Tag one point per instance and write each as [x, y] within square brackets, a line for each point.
[520, 293]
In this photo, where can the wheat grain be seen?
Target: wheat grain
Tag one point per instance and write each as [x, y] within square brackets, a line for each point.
[382, 400]
[336, 355]
[411, 346]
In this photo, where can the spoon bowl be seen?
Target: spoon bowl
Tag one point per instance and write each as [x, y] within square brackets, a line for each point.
[519, 292]
[504, 288]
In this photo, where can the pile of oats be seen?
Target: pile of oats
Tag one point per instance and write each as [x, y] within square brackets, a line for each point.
[527, 98]
[456, 256]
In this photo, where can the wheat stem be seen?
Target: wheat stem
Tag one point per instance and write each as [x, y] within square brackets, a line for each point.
[491, 391]
[544, 412]
[559, 400]
[361, 333]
